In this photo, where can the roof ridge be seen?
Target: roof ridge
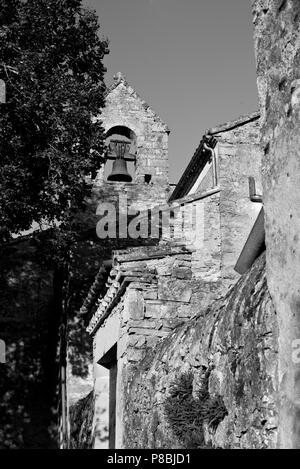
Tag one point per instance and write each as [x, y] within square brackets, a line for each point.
[243, 119]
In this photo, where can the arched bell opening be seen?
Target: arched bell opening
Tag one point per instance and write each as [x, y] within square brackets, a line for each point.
[120, 144]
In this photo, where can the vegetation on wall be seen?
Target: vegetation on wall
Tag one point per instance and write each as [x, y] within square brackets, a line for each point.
[187, 414]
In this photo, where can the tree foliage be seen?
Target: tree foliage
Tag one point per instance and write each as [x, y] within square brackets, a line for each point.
[51, 59]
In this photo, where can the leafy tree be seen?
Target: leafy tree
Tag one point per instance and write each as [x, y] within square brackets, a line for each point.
[51, 59]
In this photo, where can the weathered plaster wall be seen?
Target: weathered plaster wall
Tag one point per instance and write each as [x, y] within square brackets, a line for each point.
[206, 257]
[230, 351]
[101, 410]
[206, 182]
[277, 47]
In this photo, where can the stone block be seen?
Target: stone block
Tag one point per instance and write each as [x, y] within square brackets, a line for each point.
[152, 310]
[123, 344]
[170, 289]
[182, 273]
[145, 324]
[152, 341]
[169, 324]
[150, 294]
[187, 311]
[141, 341]
[135, 355]
[133, 305]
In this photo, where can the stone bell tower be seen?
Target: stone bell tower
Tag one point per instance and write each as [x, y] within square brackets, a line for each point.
[137, 150]
[136, 171]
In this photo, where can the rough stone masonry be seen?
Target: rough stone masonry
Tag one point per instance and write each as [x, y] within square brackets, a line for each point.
[152, 290]
[227, 378]
[213, 381]
[277, 47]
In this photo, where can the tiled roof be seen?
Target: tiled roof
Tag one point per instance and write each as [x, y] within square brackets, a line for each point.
[200, 156]
[193, 169]
[121, 275]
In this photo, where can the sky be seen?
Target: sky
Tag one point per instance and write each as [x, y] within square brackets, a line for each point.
[191, 60]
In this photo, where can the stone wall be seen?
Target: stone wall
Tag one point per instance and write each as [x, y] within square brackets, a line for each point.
[124, 107]
[277, 47]
[239, 156]
[213, 381]
[146, 300]
[206, 257]
[226, 226]
[152, 290]
[163, 290]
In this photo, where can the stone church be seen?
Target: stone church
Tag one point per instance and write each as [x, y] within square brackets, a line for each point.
[189, 334]
[185, 260]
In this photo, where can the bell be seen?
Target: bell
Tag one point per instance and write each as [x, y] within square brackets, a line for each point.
[119, 171]
[120, 148]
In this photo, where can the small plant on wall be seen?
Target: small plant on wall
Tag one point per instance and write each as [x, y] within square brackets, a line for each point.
[186, 414]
